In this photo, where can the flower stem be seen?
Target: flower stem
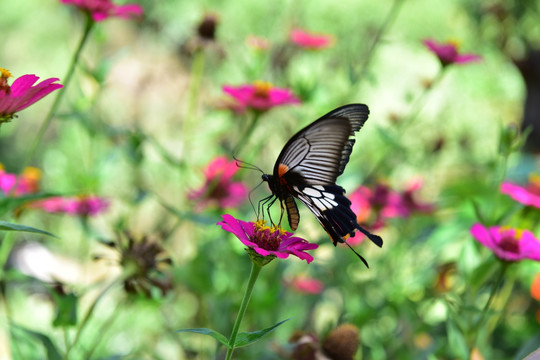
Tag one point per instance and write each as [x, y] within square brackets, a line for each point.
[60, 94]
[254, 274]
[497, 284]
[247, 134]
[390, 18]
[89, 313]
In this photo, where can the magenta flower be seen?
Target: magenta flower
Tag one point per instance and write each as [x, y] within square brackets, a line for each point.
[78, 205]
[528, 195]
[22, 93]
[306, 285]
[448, 53]
[26, 183]
[311, 41]
[219, 188]
[267, 241]
[102, 9]
[374, 206]
[507, 243]
[260, 96]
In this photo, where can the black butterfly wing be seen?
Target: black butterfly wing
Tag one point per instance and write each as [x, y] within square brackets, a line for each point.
[308, 166]
[319, 152]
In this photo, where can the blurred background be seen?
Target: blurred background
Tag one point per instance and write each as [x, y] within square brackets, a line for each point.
[145, 114]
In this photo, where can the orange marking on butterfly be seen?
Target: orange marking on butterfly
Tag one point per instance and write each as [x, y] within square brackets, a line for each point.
[282, 169]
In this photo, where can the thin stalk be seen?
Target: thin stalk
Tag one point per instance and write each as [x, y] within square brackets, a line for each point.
[390, 18]
[243, 140]
[196, 75]
[89, 313]
[60, 94]
[497, 284]
[254, 274]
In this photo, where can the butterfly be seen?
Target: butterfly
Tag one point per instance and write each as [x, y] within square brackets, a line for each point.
[307, 169]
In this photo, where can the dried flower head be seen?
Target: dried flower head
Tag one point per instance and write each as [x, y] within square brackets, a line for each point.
[145, 262]
[342, 342]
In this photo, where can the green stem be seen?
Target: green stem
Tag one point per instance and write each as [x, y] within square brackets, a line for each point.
[498, 282]
[89, 313]
[60, 94]
[243, 140]
[390, 18]
[405, 123]
[255, 270]
[196, 75]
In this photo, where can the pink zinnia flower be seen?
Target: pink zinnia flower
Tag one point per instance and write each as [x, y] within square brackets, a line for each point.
[22, 93]
[312, 41]
[267, 241]
[307, 285]
[527, 195]
[373, 206]
[26, 183]
[219, 188]
[102, 9]
[448, 53]
[260, 96]
[78, 205]
[507, 243]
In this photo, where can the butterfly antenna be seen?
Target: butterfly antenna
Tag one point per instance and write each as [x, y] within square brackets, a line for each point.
[245, 165]
[357, 254]
[251, 202]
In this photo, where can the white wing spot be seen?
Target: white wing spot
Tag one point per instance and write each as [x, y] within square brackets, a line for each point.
[331, 203]
[328, 195]
[318, 187]
[312, 192]
[318, 204]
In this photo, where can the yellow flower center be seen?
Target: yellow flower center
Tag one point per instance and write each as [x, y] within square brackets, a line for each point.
[534, 179]
[262, 89]
[4, 73]
[454, 42]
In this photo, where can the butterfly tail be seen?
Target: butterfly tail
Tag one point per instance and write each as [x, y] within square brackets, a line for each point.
[377, 240]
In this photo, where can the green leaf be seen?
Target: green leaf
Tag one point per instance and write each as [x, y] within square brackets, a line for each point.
[6, 226]
[246, 338]
[52, 351]
[216, 335]
[456, 340]
[66, 309]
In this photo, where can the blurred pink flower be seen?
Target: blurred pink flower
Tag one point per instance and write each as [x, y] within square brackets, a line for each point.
[78, 205]
[507, 243]
[22, 93]
[527, 195]
[260, 96]
[102, 9]
[448, 53]
[373, 206]
[257, 42]
[26, 183]
[267, 241]
[311, 41]
[219, 188]
[307, 285]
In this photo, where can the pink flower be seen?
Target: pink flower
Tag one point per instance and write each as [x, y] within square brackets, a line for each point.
[78, 205]
[260, 96]
[219, 188]
[528, 195]
[307, 285]
[267, 241]
[22, 93]
[507, 243]
[448, 53]
[26, 183]
[257, 42]
[311, 41]
[102, 9]
[373, 206]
